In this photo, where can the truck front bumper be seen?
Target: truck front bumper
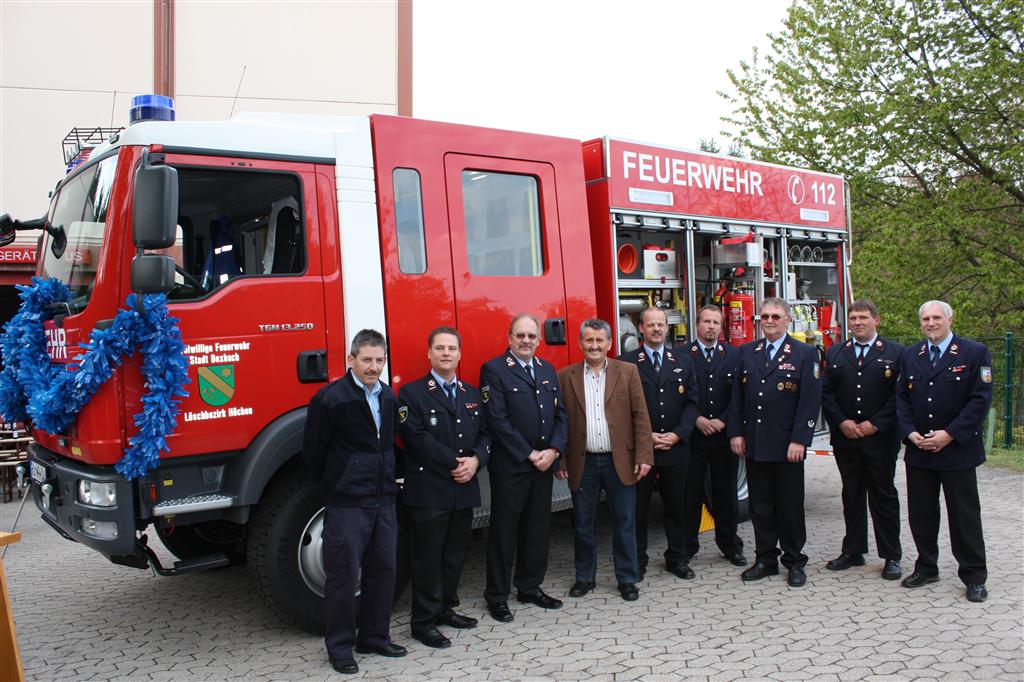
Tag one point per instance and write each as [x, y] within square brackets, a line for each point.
[110, 530]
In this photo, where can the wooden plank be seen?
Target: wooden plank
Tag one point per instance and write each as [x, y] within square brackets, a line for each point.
[10, 655]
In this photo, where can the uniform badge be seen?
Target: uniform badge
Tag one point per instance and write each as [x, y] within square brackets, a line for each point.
[810, 423]
[910, 385]
[786, 348]
[744, 380]
[510, 362]
[759, 347]
[888, 373]
[986, 375]
[433, 420]
[669, 355]
[878, 343]
[486, 391]
[953, 348]
[682, 389]
[403, 414]
[677, 370]
[782, 386]
[817, 370]
[432, 384]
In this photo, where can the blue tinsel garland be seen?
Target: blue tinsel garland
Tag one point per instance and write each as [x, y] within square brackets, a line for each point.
[51, 395]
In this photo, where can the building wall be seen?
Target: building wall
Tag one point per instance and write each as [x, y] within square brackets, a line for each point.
[79, 63]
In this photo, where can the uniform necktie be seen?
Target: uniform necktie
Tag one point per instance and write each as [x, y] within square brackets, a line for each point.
[529, 371]
[449, 390]
[935, 355]
[862, 350]
[771, 354]
[657, 361]
[709, 353]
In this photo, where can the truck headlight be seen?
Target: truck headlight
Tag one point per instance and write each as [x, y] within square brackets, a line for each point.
[97, 493]
[101, 530]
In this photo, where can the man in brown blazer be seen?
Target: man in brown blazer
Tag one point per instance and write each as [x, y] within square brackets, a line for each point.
[609, 447]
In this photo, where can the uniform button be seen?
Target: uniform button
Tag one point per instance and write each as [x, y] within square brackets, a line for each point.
[458, 421]
[662, 390]
[931, 383]
[858, 411]
[858, 385]
[712, 402]
[421, 468]
[758, 421]
[859, 373]
[858, 399]
[759, 407]
[538, 392]
[761, 394]
[710, 389]
[762, 381]
[711, 376]
[461, 451]
[541, 421]
[543, 437]
[460, 435]
[661, 403]
[663, 416]
[929, 399]
[930, 416]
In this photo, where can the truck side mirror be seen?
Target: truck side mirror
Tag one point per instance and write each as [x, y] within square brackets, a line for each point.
[155, 207]
[152, 273]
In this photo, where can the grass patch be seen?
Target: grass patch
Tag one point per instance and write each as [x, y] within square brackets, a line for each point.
[1006, 459]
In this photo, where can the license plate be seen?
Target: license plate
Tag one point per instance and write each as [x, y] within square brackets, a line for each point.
[37, 471]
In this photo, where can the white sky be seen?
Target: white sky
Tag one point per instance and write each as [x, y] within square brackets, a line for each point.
[647, 70]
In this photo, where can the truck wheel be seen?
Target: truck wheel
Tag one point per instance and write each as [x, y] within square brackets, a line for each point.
[742, 495]
[209, 537]
[285, 550]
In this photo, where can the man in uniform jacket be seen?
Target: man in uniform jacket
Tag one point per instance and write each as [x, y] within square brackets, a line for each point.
[858, 396]
[349, 448]
[526, 419]
[670, 391]
[610, 448]
[442, 424]
[717, 372]
[942, 398]
[771, 422]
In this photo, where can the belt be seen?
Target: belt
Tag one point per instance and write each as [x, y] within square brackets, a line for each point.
[597, 454]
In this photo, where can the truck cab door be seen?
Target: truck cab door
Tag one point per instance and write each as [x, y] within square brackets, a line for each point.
[506, 250]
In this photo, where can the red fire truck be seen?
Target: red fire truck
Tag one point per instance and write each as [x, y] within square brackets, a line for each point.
[291, 233]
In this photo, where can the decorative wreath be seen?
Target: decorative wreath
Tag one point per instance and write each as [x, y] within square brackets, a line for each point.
[51, 395]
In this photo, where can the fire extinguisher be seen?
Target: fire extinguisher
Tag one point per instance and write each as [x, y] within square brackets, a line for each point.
[740, 318]
[724, 295]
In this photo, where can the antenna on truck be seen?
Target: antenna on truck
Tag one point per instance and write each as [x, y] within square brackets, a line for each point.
[237, 90]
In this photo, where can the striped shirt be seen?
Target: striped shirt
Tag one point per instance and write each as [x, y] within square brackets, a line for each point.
[598, 438]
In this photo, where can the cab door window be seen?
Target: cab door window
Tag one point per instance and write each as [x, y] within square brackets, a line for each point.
[503, 229]
[235, 224]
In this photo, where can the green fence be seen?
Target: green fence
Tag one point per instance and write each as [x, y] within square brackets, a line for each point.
[1005, 426]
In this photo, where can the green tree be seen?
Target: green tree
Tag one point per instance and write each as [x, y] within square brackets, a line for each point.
[920, 104]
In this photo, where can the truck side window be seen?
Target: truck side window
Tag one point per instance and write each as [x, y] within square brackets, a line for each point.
[503, 227]
[234, 224]
[412, 252]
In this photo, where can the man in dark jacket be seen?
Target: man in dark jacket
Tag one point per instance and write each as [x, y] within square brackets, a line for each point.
[670, 391]
[527, 423]
[442, 424]
[717, 371]
[771, 423]
[349, 447]
[858, 394]
[942, 398]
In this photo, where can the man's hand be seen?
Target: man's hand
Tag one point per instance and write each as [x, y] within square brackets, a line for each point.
[710, 427]
[738, 444]
[562, 474]
[466, 469]
[849, 428]
[641, 470]
[796, 452]
[664, 441]
[915, 439]
[544, 458]
[866, 428]
[935, 441]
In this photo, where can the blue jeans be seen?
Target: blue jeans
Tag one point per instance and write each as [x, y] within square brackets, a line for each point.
[599, 472]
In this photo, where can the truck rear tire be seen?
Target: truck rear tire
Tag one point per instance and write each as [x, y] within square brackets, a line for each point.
[209, 537]
[284, 550]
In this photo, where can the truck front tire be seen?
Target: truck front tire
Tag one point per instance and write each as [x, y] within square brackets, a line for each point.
[284, 549]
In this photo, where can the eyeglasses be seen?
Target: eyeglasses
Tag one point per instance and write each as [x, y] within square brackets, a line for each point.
[522, 336]
[773, 316]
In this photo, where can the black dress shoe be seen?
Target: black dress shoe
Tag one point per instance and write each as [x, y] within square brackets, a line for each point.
[917, 579]
[759, 571]
[500, 612]
[345, 666]
[797, 577]
[976, 593]
[845, 561]
[681, 571]
[892, 570]
[456, 620]
[431, 637]
[540, 599]
[390, 650]
[737, 559]
[580, 588]
[629, 591]
[641, 571]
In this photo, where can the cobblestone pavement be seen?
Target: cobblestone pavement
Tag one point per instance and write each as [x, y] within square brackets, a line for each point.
[79, 617]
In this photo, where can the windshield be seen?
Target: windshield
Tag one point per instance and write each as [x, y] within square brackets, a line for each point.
[80, 210]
